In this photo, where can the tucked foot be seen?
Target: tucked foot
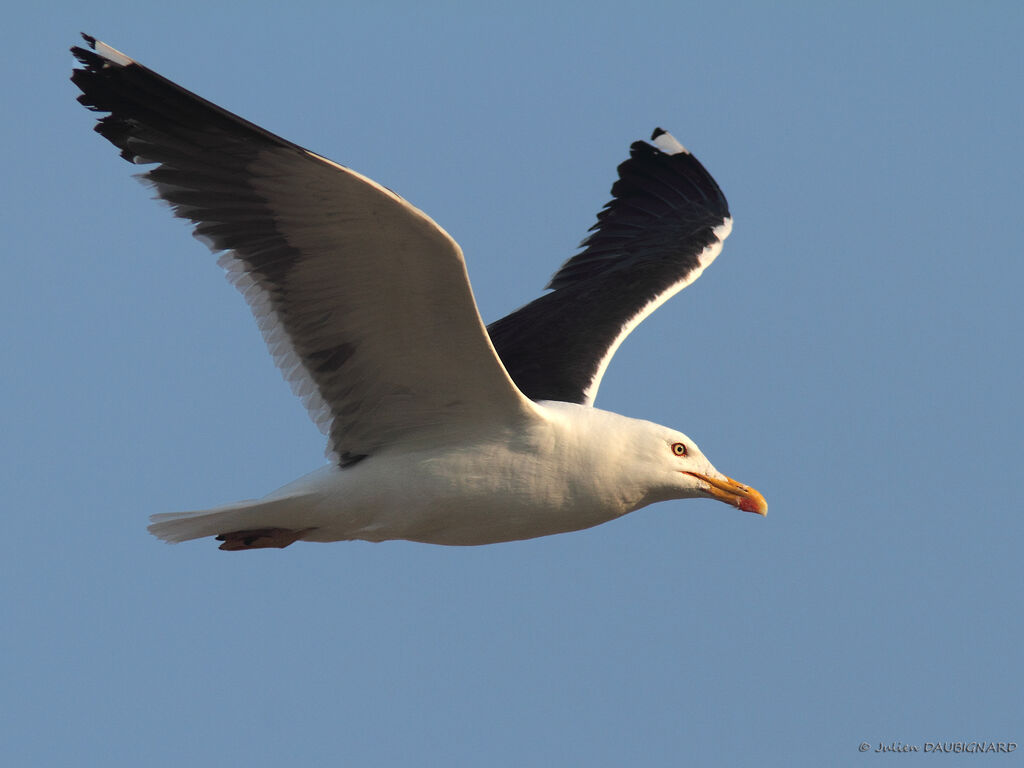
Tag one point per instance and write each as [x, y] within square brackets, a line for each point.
[260, 538]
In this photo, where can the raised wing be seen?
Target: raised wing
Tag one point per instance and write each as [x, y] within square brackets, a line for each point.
[363, 300]
[665, 223]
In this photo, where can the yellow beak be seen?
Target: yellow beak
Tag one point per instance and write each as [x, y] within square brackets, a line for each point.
[737, 494]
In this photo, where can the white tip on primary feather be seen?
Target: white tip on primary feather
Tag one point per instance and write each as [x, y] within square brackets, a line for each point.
[668, 143]
[111, 54]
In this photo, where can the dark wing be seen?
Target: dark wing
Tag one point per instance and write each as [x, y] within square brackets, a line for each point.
[363, 300]
[665, 223]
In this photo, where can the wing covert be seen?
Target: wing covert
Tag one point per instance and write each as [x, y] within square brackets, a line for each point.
[363, 300]
[664, 224]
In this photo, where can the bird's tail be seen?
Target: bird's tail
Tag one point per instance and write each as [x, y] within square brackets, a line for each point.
[277, 513]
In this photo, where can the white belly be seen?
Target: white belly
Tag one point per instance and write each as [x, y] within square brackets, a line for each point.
[465, 497]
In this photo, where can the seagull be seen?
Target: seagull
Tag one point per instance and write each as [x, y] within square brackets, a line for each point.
[439, 429]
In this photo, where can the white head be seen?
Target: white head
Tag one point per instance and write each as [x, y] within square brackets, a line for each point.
[653, 463]
[678, 470]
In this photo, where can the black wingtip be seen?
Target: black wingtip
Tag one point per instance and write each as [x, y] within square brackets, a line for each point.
[85, 56]
[657, 132]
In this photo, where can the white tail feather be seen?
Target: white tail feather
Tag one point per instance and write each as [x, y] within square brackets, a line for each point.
[175, 527]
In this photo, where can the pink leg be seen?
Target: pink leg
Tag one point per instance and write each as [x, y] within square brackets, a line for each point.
[260, 538]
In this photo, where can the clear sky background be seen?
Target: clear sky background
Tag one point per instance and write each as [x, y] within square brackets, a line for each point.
[854, 353]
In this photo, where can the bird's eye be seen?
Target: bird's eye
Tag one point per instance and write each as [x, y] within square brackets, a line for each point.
[679, 449]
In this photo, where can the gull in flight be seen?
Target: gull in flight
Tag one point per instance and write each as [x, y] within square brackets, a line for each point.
[439, 429]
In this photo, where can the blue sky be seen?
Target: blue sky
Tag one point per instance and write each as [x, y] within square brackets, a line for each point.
[854, 354]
